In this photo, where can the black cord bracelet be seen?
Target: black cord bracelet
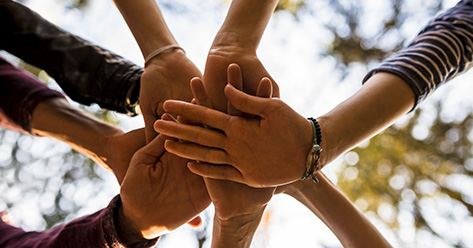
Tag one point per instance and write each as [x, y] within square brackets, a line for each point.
[312, 162]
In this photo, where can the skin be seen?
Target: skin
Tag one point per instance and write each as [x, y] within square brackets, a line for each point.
[155, 180]
[159, 193]
[238, 207]
[329, 204]
[105, 144]
[379, 102]
[265, 140]
[167, 75]
[236, 42]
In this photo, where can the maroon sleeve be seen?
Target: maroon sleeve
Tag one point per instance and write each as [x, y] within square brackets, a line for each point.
[20, 92]
[96, 230]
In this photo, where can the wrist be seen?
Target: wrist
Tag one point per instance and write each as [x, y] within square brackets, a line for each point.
[246, 21]
[166, 58]
[126, 230]
[333, 140]
[232, 42]
[162, 51]
[237, 231]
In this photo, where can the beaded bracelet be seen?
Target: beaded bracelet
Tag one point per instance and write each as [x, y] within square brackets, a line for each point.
[312, 162]
[161, 50]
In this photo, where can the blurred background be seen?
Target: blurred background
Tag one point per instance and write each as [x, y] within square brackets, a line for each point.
[413, 180]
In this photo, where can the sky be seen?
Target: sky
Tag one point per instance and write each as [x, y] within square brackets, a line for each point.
[290, 51]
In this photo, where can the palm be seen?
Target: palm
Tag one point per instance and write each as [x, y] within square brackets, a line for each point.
[164, 78]
[160, 193]
[215, 75]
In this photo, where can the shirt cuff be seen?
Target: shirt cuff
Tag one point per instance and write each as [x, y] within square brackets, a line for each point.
[110, 230]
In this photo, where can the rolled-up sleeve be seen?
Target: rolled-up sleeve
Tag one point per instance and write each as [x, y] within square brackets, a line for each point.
[20, 93]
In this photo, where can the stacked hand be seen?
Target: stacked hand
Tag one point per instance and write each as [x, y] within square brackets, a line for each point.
[236, 205]
[215, 73]
[165, 77]
[275, 141]
[159, 193]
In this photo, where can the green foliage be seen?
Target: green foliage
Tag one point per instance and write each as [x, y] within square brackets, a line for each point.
[351, 43]
[406, 173]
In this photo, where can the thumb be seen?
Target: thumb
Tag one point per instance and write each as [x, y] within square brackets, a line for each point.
[151, 152]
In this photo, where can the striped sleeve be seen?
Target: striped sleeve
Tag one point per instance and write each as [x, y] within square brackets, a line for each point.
[441, 51]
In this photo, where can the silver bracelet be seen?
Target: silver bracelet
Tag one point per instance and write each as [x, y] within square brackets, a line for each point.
[157, 52]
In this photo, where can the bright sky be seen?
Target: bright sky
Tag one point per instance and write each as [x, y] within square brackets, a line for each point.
[289, 50]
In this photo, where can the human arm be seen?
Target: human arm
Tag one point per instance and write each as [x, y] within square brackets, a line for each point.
[87, 73]
[28, 105]
[289, 134]
[388, 92]
[328, 203]
[167, 75]
[236, 42]
[104, 143]
[238, 207]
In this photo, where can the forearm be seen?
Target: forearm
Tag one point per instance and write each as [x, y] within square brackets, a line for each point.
[146, 22]
[380, 101]
[56, 118]
[87, 73]
[245, 24]
[235, 232]
[348, 223]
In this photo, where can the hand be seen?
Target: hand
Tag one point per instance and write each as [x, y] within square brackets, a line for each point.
[159, 193]
[236, 205]
[232, 199]
[120, 148]
[275, 143]
[219, 58]
[165, 77]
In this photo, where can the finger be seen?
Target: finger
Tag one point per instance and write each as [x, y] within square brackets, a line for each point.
[234, 78]
[179, 119]
[222, 172]
[165, 117]
[186, 121]
[200, 95]
[196, 222]
[195, 134]
[207, 116]
[152, 151]
[265, 88]
[197, 152]
[247, 103]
